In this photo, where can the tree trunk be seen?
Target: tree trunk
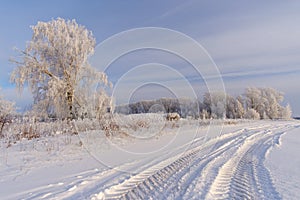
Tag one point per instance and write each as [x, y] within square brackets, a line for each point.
[2, 126]
[70, 100]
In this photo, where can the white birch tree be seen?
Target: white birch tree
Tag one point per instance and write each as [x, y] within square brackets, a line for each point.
[55, 67]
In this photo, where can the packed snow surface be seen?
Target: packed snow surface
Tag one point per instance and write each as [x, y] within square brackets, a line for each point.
[248, 160]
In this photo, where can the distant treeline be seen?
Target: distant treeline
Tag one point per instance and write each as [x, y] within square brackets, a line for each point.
[255, 103]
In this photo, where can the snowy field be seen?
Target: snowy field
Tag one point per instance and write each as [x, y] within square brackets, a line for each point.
[179, 160]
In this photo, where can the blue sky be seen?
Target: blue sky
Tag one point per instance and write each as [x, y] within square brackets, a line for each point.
[253, 43]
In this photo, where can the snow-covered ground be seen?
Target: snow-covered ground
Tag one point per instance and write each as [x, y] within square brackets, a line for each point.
[248, 160]
[284, 164]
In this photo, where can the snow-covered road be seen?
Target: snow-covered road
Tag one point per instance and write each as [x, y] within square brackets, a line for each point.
[230, 166]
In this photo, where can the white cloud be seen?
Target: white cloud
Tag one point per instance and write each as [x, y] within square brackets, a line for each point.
[261, 43]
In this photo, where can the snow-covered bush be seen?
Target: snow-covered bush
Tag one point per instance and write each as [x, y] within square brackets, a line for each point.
[252, 114]
[139, 124]
[286, 112]
[7, 110]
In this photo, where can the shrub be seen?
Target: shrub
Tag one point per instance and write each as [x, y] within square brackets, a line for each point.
[252, 114]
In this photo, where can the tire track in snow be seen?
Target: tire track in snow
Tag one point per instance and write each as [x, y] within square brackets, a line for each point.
[83, 185]
[243, 176]
[167, 174]
[204, 172]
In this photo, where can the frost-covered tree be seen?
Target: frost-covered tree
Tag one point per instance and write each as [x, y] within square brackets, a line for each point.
[231, 107]
[234, 107]
[272, 106]
[207, 104]
[189, 108]
[252, 114]
[55, 67]
[286, 112]
[240, 110]
[253, 98]
[266, 101]
[7, 109]
[170, 105]
[204, 114]
[215, 104]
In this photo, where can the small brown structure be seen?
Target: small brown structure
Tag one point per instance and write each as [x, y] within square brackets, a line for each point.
[173, 116]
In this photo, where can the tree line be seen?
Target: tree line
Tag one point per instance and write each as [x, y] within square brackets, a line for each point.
[255, 103]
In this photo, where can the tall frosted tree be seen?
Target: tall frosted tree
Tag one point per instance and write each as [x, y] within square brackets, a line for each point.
[266, 101]
[234, 107]
[55, 67]
[215, 104]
